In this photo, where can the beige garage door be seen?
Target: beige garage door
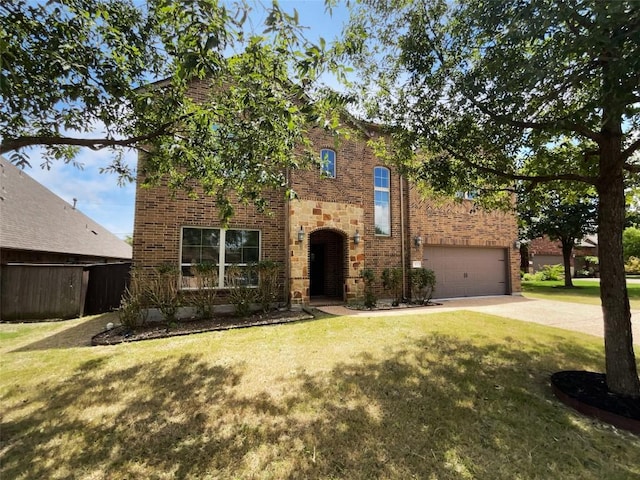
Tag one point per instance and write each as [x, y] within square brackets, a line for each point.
[539, 261]
[467, 272]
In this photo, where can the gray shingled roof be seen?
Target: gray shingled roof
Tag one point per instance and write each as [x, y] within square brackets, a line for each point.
[33, 218]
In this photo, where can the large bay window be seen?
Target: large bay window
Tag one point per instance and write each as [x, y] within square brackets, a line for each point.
[232, 251]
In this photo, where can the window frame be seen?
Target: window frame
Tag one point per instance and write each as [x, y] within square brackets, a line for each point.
[324, 172]
[382, 189]
[221, 262]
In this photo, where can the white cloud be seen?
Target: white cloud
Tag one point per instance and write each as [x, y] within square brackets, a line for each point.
[98, 195]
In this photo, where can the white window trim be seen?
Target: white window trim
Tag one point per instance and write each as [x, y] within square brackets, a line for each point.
[381, 189]
[221, 255]
[323, 172]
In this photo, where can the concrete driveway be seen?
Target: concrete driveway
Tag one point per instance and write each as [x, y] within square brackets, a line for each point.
[565, 315]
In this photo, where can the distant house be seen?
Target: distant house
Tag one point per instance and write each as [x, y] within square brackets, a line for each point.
[544, 251]
[55, 262]
[37, 226]
[356, 213]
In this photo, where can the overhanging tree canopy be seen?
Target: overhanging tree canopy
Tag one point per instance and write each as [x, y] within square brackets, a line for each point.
[492, 89]
[115, 74]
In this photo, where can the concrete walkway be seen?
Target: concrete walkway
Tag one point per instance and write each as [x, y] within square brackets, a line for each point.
[569, 316]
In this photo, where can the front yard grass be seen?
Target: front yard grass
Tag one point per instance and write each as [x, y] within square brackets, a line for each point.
[455, 395]
[586, 291]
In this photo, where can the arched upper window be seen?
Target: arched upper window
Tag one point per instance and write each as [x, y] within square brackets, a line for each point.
[382, 200]
[328, 163]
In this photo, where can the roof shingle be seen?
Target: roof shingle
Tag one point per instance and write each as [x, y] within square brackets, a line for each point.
[34, 218]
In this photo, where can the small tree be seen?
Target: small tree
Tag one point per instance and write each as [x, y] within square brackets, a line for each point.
[392, 280]
[563, 214]
[423, 284]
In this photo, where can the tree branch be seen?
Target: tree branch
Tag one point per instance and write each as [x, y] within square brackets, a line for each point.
[9, 145]
[627, 152]
[581, 129]
[514, 176]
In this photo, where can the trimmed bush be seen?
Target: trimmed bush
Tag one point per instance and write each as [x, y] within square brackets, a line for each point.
[268, 286]
[423, 284]
[241, 293]
[392, 280]
[206, 278]
[369, 279]
[552, 272]
[163, 293]
[132, 313]
[632, 266]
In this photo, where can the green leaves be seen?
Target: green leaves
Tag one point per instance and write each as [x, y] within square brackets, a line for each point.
[211, 102]
[492, 88]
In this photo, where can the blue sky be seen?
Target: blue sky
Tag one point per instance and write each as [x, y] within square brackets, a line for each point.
[98, 195]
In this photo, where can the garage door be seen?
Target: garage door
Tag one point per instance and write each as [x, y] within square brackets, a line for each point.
[467, 272]
[539, 261]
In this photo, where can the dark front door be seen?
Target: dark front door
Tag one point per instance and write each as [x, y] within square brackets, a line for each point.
[316, 269]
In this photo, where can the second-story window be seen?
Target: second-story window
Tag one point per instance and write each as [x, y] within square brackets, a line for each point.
[382, 201]
[328, 163]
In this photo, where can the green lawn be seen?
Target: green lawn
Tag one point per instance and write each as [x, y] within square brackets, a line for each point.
[585, 291]
[451, 395]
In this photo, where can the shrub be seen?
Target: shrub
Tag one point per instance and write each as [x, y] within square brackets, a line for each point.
[268, 272]
[552, 272]
[532, 277]
[423, 284]
[631, 242]
[632, 266]
[206, 278]
[241, 293]
[392, 280]
[369, 279]
[163, 293]
[591, 265]
[132, 313]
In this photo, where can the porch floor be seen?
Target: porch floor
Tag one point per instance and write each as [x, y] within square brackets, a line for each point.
[324, 301]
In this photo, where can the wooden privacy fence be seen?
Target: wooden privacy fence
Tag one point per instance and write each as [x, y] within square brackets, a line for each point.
[37, 292]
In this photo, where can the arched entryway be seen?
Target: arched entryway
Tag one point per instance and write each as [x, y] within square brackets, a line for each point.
[327, 265]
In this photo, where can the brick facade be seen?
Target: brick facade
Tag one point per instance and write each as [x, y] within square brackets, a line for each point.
[327, 214]
[544, 251]
[463, 224]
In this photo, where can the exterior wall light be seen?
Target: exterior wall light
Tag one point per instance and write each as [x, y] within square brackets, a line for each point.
[517, 244]
[356, 237]
[417, 241]
[301, 234]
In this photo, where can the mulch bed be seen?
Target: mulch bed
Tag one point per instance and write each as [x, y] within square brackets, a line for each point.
[390, 306]
[153, 330]
[587, 392]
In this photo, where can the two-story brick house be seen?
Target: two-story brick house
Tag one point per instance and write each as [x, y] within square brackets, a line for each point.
[357, 213]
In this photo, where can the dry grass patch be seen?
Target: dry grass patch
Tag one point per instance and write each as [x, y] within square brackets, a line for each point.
[451, 395]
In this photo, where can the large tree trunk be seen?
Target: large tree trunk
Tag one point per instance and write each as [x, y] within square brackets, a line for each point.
[567, 248]
[622, 375]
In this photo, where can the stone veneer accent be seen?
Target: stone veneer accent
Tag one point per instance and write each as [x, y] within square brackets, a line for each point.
[314, 215]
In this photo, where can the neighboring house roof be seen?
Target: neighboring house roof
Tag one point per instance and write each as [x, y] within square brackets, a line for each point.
[34, 218]
[589, 241]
